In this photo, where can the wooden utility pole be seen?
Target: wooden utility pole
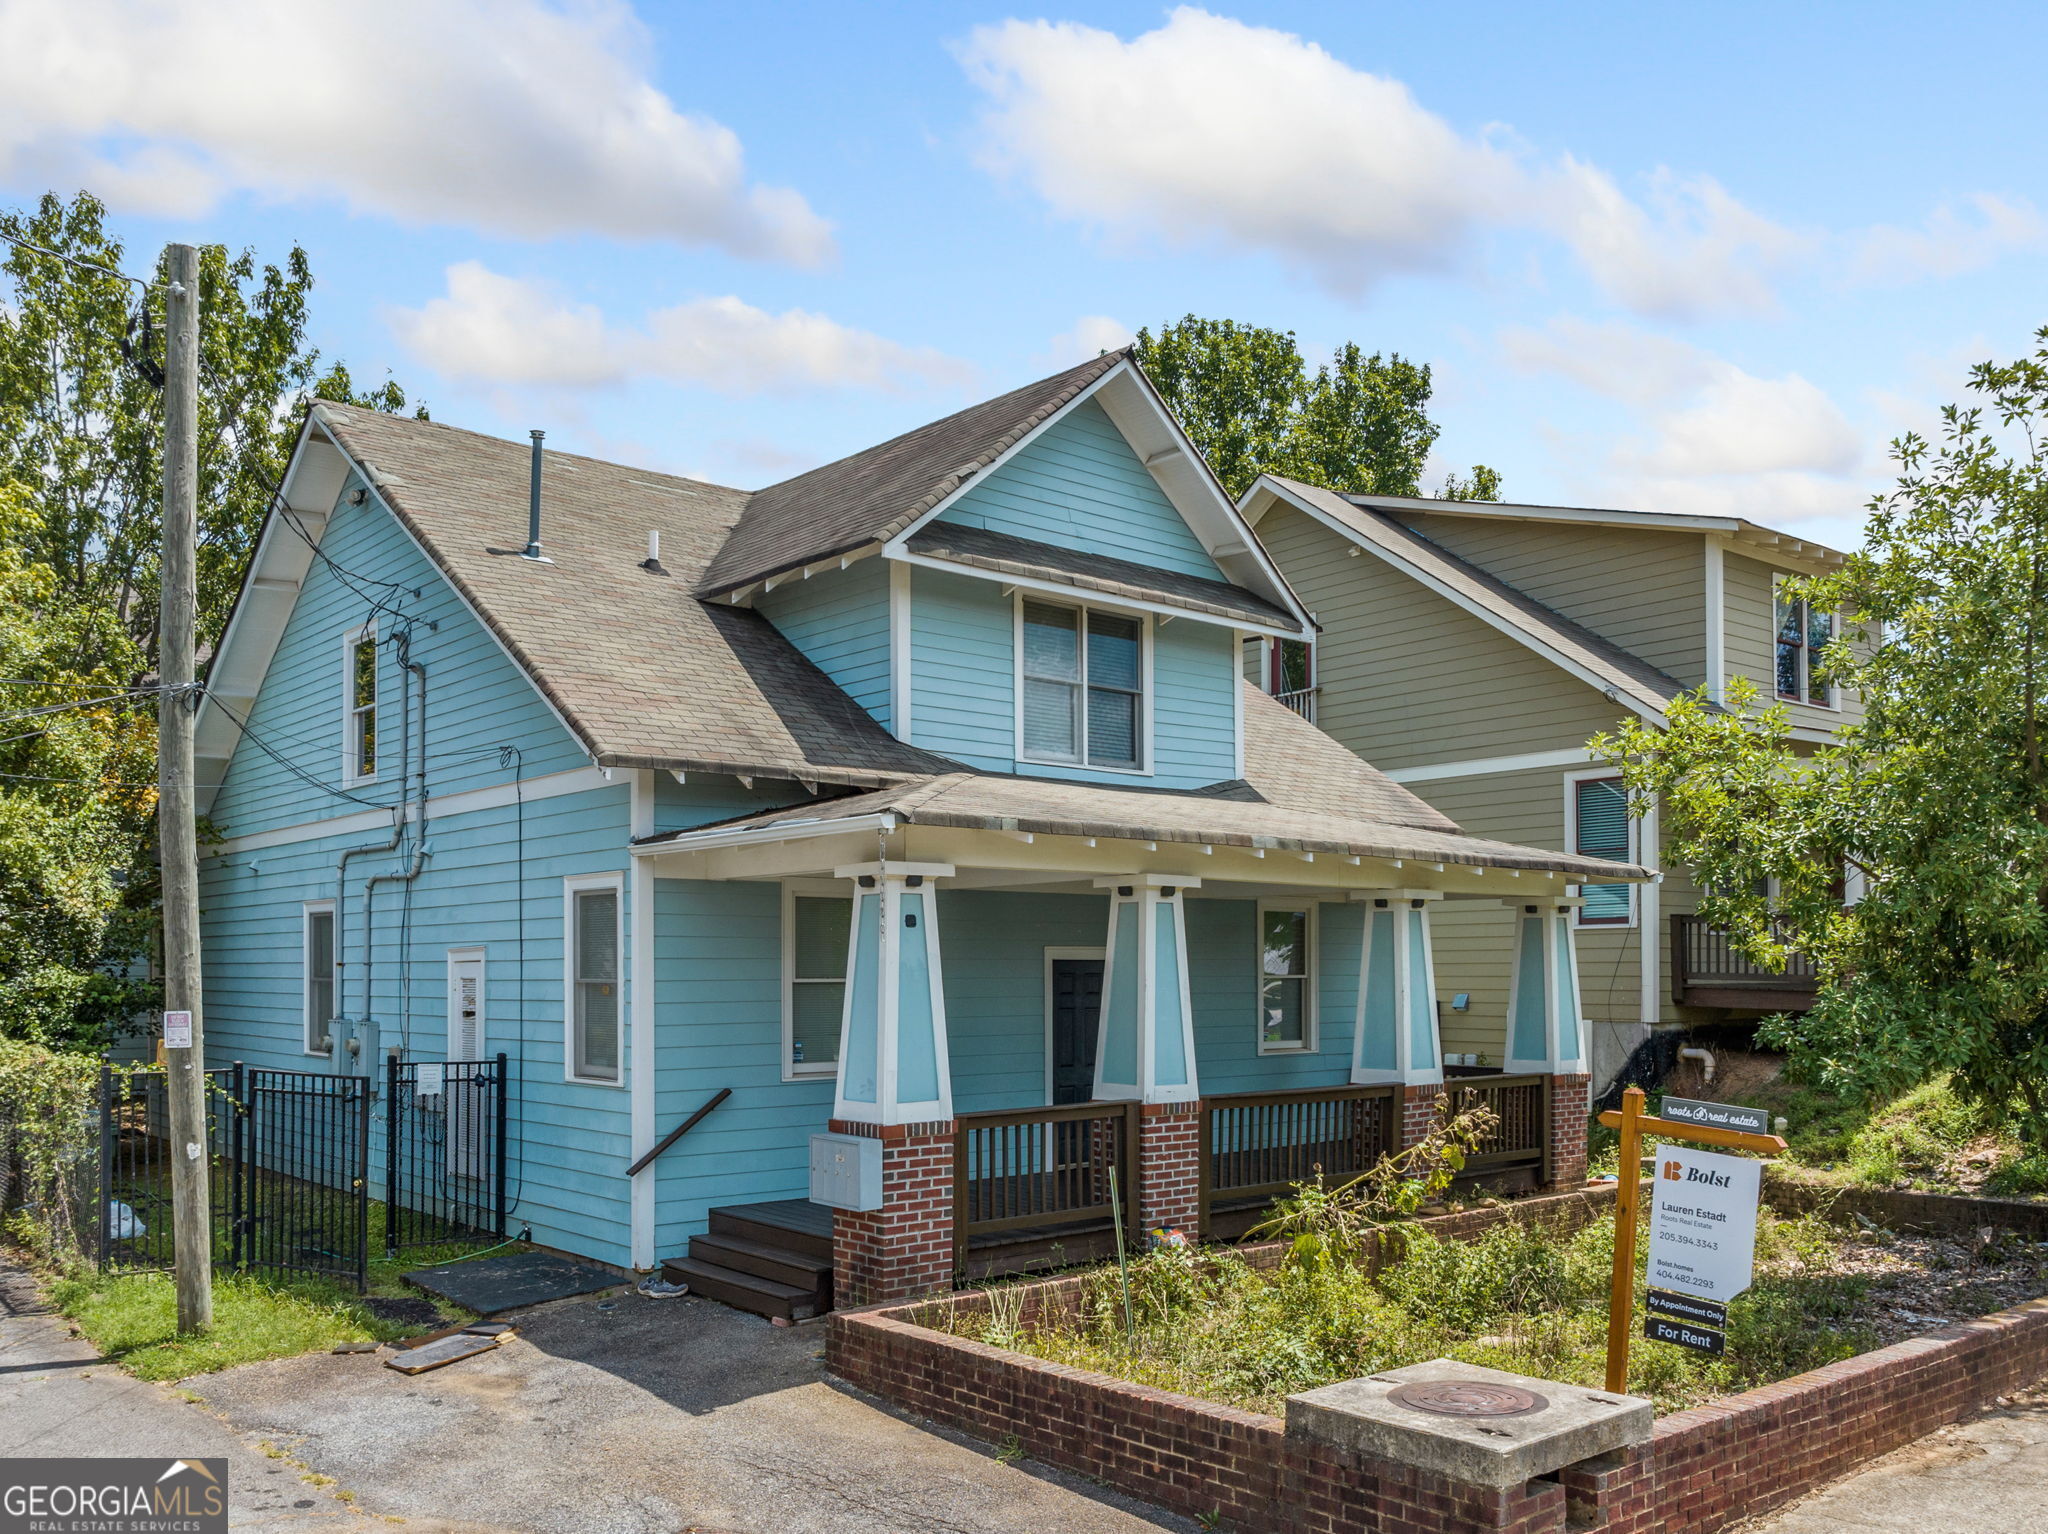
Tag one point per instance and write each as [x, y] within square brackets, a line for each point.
[177, 807]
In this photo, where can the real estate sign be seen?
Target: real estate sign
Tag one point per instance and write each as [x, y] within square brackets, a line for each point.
[1703, 1222]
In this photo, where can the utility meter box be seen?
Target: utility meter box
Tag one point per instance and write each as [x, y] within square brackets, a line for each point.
[846, 1172]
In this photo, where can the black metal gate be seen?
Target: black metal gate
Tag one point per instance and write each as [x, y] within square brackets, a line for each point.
[291, 1158]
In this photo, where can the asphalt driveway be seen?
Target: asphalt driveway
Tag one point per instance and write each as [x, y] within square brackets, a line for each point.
[636, 1416]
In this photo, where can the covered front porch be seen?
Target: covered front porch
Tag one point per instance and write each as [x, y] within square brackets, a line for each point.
[1044, 1026]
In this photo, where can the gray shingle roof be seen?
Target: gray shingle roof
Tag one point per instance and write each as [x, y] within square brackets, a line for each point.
[644, 673]
[1603, 659]
[876, 493]
[1006, 554]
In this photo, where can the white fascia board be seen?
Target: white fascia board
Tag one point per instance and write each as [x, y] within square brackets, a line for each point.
[1111, 602]
[1647, 708]
[1198, 498]
[1647, 521]
[745, 836]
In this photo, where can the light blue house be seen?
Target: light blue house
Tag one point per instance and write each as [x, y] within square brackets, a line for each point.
[919, 796]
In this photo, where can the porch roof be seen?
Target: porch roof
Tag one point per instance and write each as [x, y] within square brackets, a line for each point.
[1231, 816]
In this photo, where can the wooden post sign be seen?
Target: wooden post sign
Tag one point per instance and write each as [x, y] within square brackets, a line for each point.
[1704, 1238]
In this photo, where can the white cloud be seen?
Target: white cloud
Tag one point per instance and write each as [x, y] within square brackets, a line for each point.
[506, 330]
[1092, 335]
[509, 116]
[1206, 129]
[1949, 243]
[1702, 435]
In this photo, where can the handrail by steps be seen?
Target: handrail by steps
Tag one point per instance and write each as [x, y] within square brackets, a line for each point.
[678, 1132]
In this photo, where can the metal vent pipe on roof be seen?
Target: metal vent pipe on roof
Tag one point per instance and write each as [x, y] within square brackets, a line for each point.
[532, 549]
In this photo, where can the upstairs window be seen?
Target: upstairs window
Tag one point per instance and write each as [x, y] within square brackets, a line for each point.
[1801, 636]
[816, 933]
[1601, 828]
[593, 974]
[1284, 1001]
[1082, 686]
[359, 690]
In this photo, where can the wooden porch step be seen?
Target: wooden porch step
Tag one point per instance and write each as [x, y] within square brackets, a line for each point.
[795, 1224]
[783, 1264]
[743, 1291]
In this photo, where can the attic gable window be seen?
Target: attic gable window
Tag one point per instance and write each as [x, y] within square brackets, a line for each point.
[359, 704]
[1081, 686]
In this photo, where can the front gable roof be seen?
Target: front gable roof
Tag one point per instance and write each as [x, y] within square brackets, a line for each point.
[1596, 661]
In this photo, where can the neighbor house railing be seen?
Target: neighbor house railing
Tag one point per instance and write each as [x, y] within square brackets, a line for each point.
[1302, 700]
[1709, 970]
[1257, 1145]
[1521, 1135]
[1035, 1169]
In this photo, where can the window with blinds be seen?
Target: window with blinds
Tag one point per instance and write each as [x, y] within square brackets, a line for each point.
[1082, 682]
[1600, 823]
[820, 928]
[594, 983]
[319, 960]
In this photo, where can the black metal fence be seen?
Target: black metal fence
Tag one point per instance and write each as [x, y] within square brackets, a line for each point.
[292, 1157]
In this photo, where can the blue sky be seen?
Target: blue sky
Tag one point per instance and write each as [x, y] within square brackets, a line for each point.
[1690, 260]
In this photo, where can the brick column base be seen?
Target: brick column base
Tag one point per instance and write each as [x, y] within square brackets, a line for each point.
[1170, 1166]
[1570, 1114]
[904, 1249]
[1418, 1111]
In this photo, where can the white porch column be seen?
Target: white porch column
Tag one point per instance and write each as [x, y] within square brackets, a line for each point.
[1545, 1030]
[1146, 1048]
[1395, 1036]
[893, 1066]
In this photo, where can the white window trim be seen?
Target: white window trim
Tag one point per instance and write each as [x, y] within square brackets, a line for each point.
[307, 912]
[471, 954]
[350, 778]
[1572, 780]
[1053, 956]
[573, 886]
[1311, 1041]
[815, 889]
[1833, 694]
[1144, 769]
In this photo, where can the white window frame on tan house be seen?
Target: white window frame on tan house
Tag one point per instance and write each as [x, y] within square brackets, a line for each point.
[1308, 1043]
[1572, 782]
[1082, 685]
[574, 1065]
[1829, 696]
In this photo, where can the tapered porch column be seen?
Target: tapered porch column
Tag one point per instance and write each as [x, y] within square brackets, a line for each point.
[1546, 1031]
[895, 1084]
[1395, 1035]
[1146, 1049]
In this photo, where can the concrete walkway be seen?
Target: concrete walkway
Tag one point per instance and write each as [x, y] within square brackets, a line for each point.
[1986, 1476]
[637, 1416]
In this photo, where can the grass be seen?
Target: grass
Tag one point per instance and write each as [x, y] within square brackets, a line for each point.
[1207, 1324]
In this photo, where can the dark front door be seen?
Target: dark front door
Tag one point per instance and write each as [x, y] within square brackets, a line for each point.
[1076, 1008]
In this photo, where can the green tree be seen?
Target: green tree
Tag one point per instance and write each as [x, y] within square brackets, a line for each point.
[80, 532]
[1482, 484]
[1936, 801]
[1245, 396]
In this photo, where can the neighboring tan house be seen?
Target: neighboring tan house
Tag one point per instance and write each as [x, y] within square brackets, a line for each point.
[1470, 650]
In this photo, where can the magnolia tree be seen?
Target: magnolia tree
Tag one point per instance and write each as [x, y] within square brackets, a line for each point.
[1933, 806]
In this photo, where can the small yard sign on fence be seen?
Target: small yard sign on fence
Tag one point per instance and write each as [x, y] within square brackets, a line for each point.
[1705, 1247]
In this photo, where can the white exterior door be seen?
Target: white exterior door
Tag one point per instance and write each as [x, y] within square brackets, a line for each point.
[465, 1101]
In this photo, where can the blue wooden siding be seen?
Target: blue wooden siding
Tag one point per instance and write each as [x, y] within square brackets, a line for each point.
[963, 688]
[1223, 975]
[1080, 486]
[840, 619]
[477, 699]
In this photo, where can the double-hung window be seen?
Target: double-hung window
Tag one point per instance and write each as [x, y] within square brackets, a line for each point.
[815, 934]
[317, 947]
[1802, 634]
[592, 919]
[1601, 828]
[1285, 1000]
[1083, 686]
[359, 714]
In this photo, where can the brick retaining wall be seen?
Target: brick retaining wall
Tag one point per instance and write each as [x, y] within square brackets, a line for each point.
[1702, 1469]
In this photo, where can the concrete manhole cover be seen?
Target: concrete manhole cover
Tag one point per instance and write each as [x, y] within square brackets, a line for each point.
[1466, 1398]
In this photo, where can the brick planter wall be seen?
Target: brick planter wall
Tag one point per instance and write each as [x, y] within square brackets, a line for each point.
[1170, 1166]
[905, 1248]
[1571, 1106]
[1702, 1469]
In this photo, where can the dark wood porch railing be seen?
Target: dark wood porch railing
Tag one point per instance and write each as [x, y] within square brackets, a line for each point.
[1708, 970]
[1257, 1145]
[1521, 1138]
[1026, 1169]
